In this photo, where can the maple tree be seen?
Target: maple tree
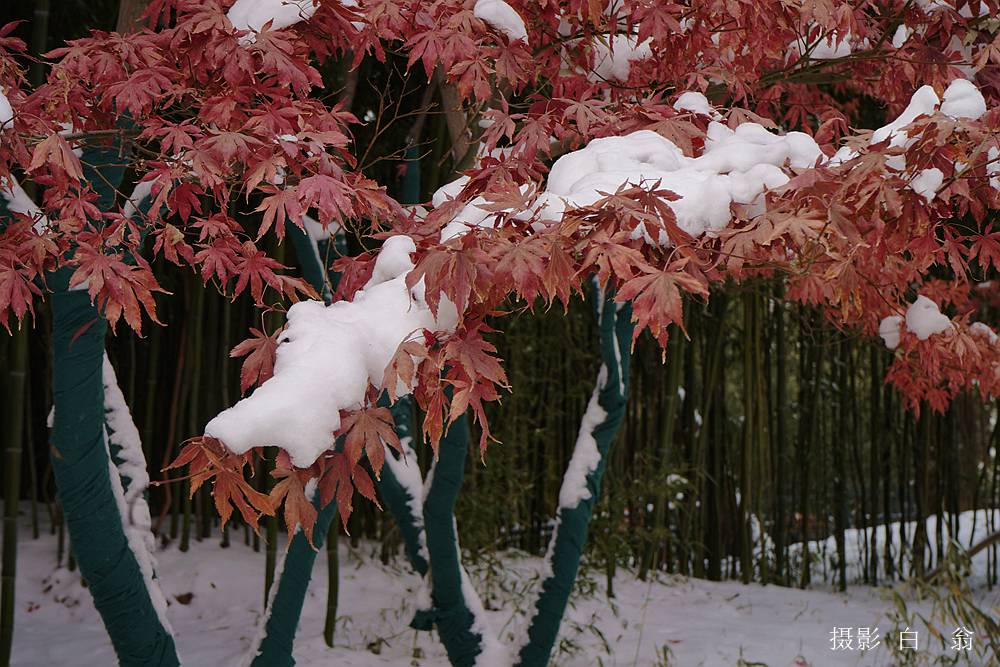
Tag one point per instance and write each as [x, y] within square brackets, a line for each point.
[235, 140]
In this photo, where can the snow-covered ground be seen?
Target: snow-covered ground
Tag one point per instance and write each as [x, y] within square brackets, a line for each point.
[694, 622]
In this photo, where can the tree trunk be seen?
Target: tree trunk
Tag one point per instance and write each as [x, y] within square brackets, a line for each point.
[582, 482]
[82, 469]
[130, 15]
[284, 604]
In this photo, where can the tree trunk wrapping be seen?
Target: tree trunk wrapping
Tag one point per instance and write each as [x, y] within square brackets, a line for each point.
[451, 614]
[395, 496]
[285, 606]
[81, 466]
[285, 609]
[566, 546]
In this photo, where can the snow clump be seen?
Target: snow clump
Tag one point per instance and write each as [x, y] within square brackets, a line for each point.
[923, 319]
[6, 112]
[327, 356]
[502, 17]
[253, 15]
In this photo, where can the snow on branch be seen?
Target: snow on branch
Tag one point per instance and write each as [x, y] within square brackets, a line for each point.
[327, 357]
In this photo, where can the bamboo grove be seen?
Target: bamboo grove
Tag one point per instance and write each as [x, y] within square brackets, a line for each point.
[819, 442]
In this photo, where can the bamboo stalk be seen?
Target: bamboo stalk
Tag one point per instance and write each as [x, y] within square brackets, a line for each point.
[839, 483]
[781, 444]
[333, 581]
[16, 379]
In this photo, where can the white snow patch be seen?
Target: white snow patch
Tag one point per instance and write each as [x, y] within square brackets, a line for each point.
[449, 191]
[298, 409]
[492, 653]
[736, 166]
[586, 456]
[141, 192]
[993, 166]
[830, 47]
[927, 183]
[889, 330]
[695, 102]
[614, 54]
[18, 201]
[137, 524]
[704, 622]
[407, 473]
[317, 232]
[925, 319]
[962, 99]
[503, 17]
[980, 329]
[6, 112]
[923, 103]
[253, 15]
[902, 34]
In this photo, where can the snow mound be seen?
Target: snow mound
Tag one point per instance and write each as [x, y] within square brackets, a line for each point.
[695, 102]
[253, 15]
[927, 183]
[502, 17]
[736, 166]
[6, 112]
[963, 100]
[828, 47]
[18, 201]
[980, 329]
[923, 319]
[614, 54]
[889, 329]
[327, 356]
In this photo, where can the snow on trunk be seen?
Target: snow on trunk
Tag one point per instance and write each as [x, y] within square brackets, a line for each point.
[581, 483]
[407, 474]
[18, 201]
[129, 481]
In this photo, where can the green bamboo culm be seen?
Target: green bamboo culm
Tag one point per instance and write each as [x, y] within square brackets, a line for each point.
[81, 467]
[608, 407]
[16, 374]
[333, 581]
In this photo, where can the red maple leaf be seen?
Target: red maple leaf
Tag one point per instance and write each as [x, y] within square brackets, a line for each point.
[260, 351]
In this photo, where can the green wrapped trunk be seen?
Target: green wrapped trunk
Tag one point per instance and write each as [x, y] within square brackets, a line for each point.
[582, 482]
[88, 485]
[450, 612]
[401, 500]
[284, 608]
[82, 469]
